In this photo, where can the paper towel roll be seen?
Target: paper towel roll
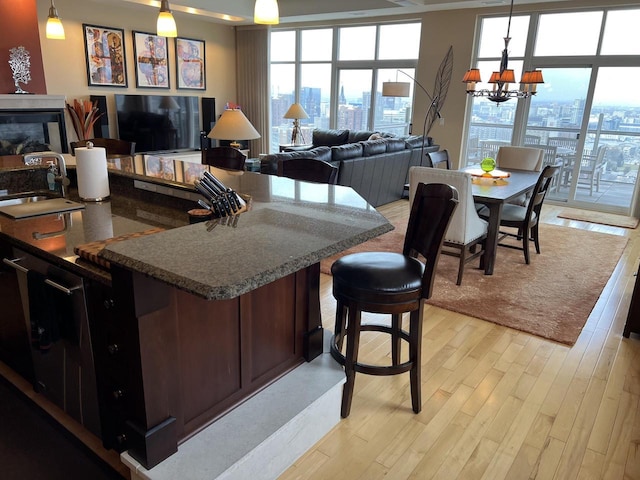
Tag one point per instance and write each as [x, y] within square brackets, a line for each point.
[93, 178]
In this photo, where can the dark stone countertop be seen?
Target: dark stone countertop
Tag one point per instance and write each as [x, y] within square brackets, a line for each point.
[290, 225]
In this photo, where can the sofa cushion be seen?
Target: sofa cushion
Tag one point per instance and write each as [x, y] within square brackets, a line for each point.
[373, 147]
[414, 141]
[269, 164]
[344, 152]
[321, 153]
[395, 144]
[329, 138]
[356, 136]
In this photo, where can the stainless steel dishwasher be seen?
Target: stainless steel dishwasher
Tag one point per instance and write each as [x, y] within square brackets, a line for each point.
[63, 362]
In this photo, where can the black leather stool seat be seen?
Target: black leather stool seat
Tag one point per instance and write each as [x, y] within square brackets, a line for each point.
[391, 283]
[374, 274]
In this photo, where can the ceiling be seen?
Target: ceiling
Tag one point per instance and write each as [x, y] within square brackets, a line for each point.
[240, 12]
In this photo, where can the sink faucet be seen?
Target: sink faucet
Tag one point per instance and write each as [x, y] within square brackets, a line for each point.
[57, 168]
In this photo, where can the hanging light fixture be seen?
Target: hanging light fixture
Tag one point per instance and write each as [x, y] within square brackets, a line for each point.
[166, 25]
[54, 30]
[266, 12]
[502, 79]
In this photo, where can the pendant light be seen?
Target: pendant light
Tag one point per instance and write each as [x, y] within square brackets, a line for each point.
[266, 12]
[166, 25]
[55, 30]
[502, 79]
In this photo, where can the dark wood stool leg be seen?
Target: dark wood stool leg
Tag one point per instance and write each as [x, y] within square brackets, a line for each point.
[396, 340]
[338, 330]
[351, 357]
[415, 356]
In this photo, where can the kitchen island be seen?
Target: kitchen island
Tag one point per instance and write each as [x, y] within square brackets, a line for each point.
[190, 321]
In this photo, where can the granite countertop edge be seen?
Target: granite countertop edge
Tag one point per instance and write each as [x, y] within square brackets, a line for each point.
[237, 288]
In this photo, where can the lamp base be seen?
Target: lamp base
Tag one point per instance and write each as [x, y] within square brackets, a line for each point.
[235, 144]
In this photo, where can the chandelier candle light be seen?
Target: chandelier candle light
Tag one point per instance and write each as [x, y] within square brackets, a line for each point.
[501, 79]
[296, 112]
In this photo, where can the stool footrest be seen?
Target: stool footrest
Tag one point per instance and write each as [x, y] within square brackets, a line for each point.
[368, 368]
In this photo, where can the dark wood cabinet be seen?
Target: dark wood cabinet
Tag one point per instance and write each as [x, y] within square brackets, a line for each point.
[15, 344]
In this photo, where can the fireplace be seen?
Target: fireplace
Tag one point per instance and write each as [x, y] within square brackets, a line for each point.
[32, 123]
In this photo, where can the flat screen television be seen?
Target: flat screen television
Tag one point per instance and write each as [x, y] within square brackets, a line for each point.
[159, 123]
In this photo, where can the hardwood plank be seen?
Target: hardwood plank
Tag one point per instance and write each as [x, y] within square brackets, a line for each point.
[555, 383]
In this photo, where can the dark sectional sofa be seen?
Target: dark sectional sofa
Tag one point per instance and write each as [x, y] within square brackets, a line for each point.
[375, 168]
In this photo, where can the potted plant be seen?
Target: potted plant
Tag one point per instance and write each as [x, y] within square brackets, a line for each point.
[83, 116]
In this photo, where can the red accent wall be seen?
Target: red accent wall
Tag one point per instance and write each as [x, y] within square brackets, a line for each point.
[19, 26]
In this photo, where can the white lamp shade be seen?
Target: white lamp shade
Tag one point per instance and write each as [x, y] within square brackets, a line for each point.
[233, 125]
[266, 12]
[296, 111]
[166, 25]
[54, 29]
[396, 89]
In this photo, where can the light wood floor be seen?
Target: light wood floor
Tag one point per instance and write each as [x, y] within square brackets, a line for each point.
[497, 403]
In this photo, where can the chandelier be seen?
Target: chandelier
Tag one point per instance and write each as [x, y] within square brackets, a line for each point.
[503, 78]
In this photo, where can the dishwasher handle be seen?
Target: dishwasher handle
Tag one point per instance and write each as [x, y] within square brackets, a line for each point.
[14, 264]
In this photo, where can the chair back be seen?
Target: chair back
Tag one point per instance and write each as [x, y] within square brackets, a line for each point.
[540, 191]
[431, 211]
[308, 170]
[564, 142]
[489, 148]
[465, 225]
[550, 154]
[439, 159]
[112, 146]
[520, 158]
[228, 158]
[531, 140]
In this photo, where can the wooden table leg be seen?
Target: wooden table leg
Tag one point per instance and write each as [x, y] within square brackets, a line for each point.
[495, 213]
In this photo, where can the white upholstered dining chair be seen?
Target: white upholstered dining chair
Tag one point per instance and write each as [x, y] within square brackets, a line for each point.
[466, 231]
[520, 158]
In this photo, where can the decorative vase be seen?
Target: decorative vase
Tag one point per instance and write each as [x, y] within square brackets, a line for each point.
[488, 164]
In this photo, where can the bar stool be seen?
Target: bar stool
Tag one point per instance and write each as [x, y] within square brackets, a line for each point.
[391, 283]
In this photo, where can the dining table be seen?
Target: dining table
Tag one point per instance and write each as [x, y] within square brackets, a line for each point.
[494, 193]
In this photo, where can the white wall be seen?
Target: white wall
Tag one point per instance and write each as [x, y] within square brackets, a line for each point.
[64, 60]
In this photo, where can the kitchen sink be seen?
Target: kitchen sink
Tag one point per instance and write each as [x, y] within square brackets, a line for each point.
[33, 204]
[19, 200]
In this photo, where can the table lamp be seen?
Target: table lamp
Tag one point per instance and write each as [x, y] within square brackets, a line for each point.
[233, 125]
[296, 112]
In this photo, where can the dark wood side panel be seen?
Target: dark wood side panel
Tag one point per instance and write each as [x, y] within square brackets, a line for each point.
[209, 353]
[271, 326]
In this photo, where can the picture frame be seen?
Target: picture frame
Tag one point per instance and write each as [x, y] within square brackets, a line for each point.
[159, 167]
[105, 56]
[192, 171]
[190, 64]
[151, 60]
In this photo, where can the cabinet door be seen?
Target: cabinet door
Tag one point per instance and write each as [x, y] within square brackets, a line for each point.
[15, 345]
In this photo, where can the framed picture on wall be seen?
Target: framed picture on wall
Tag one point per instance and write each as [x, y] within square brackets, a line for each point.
[104, 49]
[190, 64]
[151, 60]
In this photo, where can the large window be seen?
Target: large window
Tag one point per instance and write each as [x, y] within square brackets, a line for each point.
[336, 74]
[580, 108]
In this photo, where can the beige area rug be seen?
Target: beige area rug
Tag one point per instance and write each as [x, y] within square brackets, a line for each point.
[600, 217]
[552, 297]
